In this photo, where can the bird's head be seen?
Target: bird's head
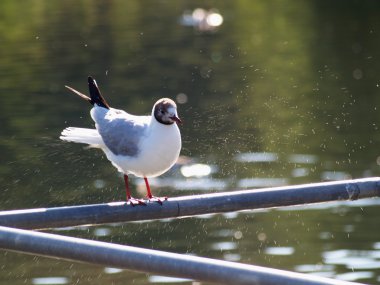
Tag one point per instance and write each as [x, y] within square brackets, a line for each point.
[165, 112]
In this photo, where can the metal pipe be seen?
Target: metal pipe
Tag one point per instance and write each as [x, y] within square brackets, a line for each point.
[192, 205]
[152, 261]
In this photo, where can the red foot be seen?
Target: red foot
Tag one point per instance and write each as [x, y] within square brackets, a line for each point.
[159, 200]
[134, 202]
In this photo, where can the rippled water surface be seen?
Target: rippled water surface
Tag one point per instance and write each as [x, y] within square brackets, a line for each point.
[271, 93]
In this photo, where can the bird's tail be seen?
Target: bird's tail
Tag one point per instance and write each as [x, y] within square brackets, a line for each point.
[95, 95]
[82, 135]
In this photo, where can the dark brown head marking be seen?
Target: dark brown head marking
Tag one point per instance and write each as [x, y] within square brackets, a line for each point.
[165, 111]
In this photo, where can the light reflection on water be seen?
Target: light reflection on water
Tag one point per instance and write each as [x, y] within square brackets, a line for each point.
[279, 250]
[303, 158]
[197, 170]
[225, 245]
[112, 270]
[314, 268]
[50, 280]
[353, 259]
[166, 280]
[102, 232]
[256, 157]
[354, 276]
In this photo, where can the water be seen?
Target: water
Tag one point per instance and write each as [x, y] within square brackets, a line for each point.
[280, 93]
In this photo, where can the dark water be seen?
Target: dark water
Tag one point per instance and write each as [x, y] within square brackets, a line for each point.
[281, 93]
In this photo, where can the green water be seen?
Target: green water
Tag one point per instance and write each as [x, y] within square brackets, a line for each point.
[281, 93]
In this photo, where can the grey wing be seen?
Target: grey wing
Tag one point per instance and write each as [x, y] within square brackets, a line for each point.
[122, 134]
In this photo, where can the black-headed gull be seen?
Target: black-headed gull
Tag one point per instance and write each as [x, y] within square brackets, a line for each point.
[146, 146]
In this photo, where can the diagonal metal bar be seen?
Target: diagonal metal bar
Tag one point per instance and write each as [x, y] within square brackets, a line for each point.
[152, 261]
[193, 205]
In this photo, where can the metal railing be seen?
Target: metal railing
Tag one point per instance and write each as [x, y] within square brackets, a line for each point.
[43, 218]
[152, 261]
[165, 263]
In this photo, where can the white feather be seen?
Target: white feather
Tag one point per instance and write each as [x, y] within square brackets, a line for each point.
[82, 135]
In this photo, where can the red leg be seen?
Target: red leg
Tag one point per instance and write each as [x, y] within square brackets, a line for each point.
[131, 200]
[127, 191]
[149, 194]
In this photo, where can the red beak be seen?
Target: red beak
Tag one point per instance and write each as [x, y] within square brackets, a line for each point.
[176, 119]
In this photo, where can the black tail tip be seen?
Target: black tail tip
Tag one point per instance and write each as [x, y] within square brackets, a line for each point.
[92, 82]
[95, 95]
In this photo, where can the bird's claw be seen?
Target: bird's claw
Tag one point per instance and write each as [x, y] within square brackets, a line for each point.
[159, 200]
[134, 202]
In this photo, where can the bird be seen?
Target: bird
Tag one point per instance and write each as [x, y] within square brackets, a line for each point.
[145, 146]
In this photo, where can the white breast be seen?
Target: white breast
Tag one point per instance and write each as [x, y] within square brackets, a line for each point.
[159, 151]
